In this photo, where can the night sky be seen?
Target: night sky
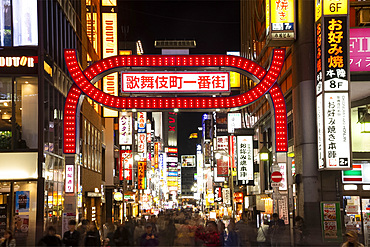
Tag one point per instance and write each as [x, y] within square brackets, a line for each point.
[214, 25]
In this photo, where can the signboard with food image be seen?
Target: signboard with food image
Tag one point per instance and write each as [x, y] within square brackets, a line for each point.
[331, 224]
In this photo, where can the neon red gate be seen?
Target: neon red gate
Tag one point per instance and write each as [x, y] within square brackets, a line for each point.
[83, 84]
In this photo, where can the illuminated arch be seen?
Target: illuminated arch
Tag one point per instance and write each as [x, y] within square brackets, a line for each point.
[83, 84]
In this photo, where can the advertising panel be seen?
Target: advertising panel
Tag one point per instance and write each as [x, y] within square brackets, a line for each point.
[234, 121]
[3, 218]
[218, 194]
[188, 160]
[69, 183]
[141, 122]
[175, 82]
[245, 157]
[141, 145]
[22, 201]
[320, 131]
[360, 173]
[126, 164]
[125, 128]
[222, 168]
[226, 196]
[359, 45]
[141, 167]
[156, 155]
[110, 48]
[222, 143]
[331, 222]
[335, 7]
[337, 140]
[280, 22]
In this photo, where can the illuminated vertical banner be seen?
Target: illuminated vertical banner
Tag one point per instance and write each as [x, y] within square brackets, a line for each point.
[280, 22]
[245, 157]
[126, 162]
[141, 122]
[141, 166]
[125, 128]
[141, 145]
[156, 155]
[332, 85]
[110, 48]
[232, 141]
[69, 180]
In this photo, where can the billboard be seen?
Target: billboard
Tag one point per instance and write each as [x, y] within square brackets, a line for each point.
[245, 157]
[359, 46]
[125, 128]
[175, 82]
[69, 183]
[141, 167]
[234, 121]
[188, 160]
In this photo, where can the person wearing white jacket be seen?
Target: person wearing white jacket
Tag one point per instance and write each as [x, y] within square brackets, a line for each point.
[262, 235]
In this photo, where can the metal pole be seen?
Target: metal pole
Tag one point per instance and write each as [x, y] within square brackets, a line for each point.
[290, 198]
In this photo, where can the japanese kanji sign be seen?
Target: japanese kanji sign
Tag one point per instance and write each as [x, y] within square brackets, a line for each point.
[245, 157]
[332, 87]
[126, 161]
[69, 180]
[175, 82]
[222, 168]
[125, 128]
[359, 45]
[218, 194]
[141, 167]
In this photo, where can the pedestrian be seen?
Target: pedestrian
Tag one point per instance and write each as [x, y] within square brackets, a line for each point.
[221, 230]
[8, 240]
[299, 231]
[232, 236]
[352, 240]
[121, 236]
[210, 236]
[171, 232]
[276, 230]
[245, 231]
[262, 234]
[149, 238]
[50, 239]
[82, 228]
[92, 237]
[72, 236]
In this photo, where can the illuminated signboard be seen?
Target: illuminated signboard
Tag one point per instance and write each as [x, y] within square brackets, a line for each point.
[126, 163]
[234, 121]
[141, 122]
[222, 143]
[280, 22]
[69, 180]
[332, 86]
[179, 82]
[318, 11]
[222, 168]
[188, 160]
[156, 155]
[141, 175]
[110, 48]
[218, 194]
[245, 157]
[125, 128]
[18, 61]
[84, 78]
[141, 145]
[359, 45]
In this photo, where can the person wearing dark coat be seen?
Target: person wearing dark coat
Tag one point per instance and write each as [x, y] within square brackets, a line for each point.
[92, 237]
[149, 238]
[121, 236]
[71, 237]
[50, 239]
[277, 230]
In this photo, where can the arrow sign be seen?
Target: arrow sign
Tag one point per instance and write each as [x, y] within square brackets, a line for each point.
[276, 177]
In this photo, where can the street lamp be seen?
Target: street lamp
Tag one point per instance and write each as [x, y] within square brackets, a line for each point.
[264, 153]
[364, 120]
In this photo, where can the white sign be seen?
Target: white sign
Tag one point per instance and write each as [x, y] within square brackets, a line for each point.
[69, 186]
[245, 157]
[226, 195]
[320, 133]
[234, 121]
[222, 143]
[125, 128]
[169, 82]
[276, 184]
[283, 174]
[141, 122]
[335, 84]
[336, 130]
[141, 145]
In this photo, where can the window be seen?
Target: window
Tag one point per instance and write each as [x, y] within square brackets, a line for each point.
[5, 23]
[25, 22]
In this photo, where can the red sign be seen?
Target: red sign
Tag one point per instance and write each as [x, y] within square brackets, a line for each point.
[276, 177]
[141, 175]
[125, 164]
[222, 168]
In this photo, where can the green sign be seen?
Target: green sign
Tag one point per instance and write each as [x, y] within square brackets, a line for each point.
[331, 222]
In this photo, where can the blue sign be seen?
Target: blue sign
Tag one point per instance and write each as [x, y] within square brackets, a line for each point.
[22, 201]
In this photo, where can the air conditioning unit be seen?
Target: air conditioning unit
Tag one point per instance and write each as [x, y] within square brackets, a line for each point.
[365, 16]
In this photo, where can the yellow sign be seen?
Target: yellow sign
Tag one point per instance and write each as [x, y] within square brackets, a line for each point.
[282, 11]
[109, 2]
[234, 79]
[335, 7]
[110, 48]
[318, 10]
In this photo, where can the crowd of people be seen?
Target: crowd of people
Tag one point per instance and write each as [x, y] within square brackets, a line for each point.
[178, 229]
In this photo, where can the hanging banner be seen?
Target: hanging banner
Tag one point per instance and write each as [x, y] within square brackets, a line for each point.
[222, 168]
[69, 180]
[125, 128]
[141, 145]
[141, 122]
[226, 196]
[245, 157]
[141, 175]
[126, 163]
[331, 222]
[156, 155]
